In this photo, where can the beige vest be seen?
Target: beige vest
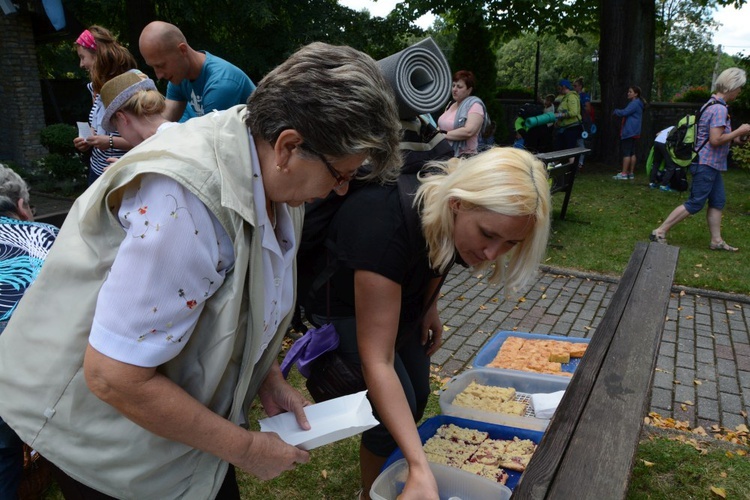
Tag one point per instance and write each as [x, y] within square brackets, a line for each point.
[43, 395]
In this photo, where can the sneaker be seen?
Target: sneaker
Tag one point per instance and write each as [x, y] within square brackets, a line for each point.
[666, 189]
[631, 176]
[653, 185]
[620, 177]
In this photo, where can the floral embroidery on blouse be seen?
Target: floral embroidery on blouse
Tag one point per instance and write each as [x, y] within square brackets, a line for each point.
[188, 302]
[143, 209]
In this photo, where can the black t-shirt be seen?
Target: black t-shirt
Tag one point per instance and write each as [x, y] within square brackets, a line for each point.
[370, 233]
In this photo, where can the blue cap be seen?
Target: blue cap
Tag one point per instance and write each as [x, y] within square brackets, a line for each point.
[565, 83]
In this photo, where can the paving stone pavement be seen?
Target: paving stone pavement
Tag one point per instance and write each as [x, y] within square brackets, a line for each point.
[703, 368]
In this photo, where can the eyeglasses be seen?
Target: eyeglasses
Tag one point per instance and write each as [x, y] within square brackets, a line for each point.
[340, 179]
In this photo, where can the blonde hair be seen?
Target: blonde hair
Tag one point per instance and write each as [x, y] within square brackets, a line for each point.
[729, 80]
[507, 181]
[144, 103]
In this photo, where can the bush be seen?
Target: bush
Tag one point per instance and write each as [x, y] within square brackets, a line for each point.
[58, 138]
[62, 169]
[741, 155]
[515, 93]
[693, 94]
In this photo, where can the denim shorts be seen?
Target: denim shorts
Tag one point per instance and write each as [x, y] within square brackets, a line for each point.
[707, 185]
[628, 147]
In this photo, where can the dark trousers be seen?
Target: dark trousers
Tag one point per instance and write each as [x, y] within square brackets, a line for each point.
[11, 462]
[661, 154]
[73, 490]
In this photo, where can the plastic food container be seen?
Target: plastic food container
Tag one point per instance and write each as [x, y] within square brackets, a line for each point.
[487, 354]
[430, 426]
[525, 384]
[452, 484]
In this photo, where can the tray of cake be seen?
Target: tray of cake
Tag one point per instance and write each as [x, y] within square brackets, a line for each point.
[496, 452]
[548, 355]
[499, 396]
[452, 483]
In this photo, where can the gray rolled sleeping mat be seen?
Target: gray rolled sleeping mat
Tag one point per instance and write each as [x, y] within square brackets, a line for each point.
[420, 77]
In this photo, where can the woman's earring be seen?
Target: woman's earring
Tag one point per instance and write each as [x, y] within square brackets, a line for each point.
[278, 168]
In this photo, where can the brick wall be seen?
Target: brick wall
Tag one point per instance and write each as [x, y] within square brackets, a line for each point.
[21, 111]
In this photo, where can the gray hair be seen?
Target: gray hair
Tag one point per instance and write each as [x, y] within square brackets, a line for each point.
[12, 189]
[730, 79]
[337, 98]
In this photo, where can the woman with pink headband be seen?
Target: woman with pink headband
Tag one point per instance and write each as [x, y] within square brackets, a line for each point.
[104, 58]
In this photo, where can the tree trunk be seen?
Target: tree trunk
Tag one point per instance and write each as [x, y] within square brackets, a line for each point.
[626, 58]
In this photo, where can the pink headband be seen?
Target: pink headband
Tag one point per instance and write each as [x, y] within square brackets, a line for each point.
[86, 39]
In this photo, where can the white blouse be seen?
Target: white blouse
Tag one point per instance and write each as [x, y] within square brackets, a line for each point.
[174, 257]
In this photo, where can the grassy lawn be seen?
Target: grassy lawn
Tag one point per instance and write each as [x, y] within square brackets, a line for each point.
[606, 218]
[666, 468]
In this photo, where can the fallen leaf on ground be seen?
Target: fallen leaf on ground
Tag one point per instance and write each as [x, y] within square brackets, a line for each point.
[324, 473]
[719, 491]
[647, 463]
[697, 382]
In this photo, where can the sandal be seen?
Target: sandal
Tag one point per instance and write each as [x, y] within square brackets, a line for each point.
[657, 238]
[723, 246]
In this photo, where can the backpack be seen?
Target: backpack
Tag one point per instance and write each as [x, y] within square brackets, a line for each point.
[420, 143]
[679, 181]
[681, 139]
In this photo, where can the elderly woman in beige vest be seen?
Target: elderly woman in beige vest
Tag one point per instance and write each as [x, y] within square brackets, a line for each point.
[132, 361]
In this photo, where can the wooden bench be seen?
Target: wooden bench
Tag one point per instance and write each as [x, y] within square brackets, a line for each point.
[589, 447]
[563, 176]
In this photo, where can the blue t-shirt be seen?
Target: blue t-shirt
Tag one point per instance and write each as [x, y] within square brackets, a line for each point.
[23, 247]
[220, 86]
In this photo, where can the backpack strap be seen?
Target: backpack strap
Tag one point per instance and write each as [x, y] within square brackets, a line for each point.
[698, 117]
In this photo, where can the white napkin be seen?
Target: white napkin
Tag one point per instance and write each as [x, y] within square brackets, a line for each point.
[330, 421]
[546, 404]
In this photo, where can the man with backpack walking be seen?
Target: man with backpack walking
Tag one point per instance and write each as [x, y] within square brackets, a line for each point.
[714, 131]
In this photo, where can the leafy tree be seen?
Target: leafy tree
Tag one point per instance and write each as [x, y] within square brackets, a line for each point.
[256, 35]
[684, 52]
[559, 59]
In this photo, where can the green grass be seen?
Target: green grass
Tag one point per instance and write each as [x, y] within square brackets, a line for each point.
[606, 218]
[678, 470]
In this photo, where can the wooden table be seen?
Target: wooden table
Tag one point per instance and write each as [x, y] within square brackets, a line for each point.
[564, 175]
[588, 449]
